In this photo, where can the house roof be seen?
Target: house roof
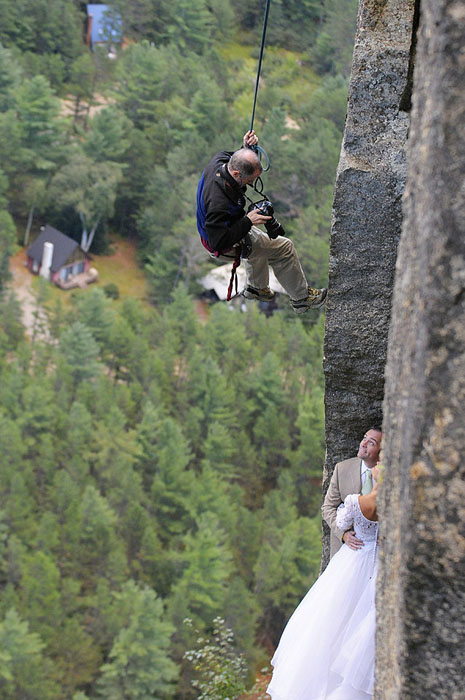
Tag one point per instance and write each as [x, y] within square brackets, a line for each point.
[63, 247]
[106, 25]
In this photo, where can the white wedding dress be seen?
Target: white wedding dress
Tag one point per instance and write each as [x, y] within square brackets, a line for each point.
[326, 651]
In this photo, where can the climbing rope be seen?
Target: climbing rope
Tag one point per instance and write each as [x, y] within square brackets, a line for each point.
[261, 152]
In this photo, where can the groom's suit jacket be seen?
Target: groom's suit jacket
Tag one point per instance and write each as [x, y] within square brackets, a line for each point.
[346, 479]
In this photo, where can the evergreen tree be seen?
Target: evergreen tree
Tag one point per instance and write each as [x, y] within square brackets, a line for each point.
[147, 76]
[108, 137]
[172, 482]
[7, 237]
[76, 451]
[99, 551]
[77, 657]
[333, 48]
[192, 25]
[80, 351]
[94, 311]
[203, 584]
[139, 666]
[288, 561]
[24, 670]
[10, 78]
[7, 246]
[40, 596]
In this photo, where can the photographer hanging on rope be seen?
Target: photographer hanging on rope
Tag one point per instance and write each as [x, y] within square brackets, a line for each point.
[231, 234]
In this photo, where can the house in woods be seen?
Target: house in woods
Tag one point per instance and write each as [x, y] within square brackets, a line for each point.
[104, 28]
[60, 259]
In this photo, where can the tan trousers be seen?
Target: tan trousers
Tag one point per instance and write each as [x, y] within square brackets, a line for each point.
[279, 254]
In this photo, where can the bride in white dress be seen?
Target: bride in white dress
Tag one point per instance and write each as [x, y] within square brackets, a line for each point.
[326, 651]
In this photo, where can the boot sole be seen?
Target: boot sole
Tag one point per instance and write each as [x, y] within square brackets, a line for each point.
[307, 307]
[256, 297]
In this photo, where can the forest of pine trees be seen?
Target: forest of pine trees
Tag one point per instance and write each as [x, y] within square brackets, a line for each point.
[159, 470]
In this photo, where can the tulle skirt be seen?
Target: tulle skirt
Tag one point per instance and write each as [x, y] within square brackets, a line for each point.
[326, 651]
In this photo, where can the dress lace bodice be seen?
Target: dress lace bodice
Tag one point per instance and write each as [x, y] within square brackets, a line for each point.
[349, 514]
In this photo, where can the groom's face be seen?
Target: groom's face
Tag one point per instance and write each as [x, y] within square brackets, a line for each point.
[370, 446]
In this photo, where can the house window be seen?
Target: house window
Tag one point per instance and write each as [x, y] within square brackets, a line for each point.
[78, 268]
[66, 272]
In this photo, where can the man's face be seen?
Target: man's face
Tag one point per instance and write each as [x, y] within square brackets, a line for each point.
[251, 179]
[248, 180]
[369, 447]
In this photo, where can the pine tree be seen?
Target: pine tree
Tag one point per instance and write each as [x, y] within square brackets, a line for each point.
[203, 584]
[80, 351]
[24, 670]
[139, 665]
[172, 482]
[288, 561]
[40, 594]
[100, 553]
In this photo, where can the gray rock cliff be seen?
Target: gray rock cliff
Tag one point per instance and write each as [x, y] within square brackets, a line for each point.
[421, 584]
[366, 227]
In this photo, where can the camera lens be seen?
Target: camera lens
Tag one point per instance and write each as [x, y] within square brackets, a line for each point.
[273, 227]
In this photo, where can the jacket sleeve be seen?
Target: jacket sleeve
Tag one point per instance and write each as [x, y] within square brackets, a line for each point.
[331, 503]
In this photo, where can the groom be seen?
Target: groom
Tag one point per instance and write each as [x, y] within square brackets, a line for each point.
[351, 476]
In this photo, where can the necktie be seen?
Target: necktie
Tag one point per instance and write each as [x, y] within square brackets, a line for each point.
[368, 483]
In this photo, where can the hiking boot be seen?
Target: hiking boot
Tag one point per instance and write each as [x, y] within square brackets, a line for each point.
[316, 298]
[264, 294]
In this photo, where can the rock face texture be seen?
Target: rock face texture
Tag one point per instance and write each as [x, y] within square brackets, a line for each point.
[421, 584]
[366, 227]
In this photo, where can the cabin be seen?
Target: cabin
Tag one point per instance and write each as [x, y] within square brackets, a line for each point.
[60, 259]
[104, 28]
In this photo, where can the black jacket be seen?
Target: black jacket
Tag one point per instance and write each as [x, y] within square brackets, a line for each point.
[221, 218]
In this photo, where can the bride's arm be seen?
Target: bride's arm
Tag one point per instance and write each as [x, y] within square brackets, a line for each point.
[345, 513]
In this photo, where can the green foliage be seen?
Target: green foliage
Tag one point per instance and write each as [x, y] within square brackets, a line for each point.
[24, 672]
[139, 666]
[89, 188]
[111, 290]
[219, 668]
[150, 449]
[7, 246]
[44, 28]
[288, 561]
[165, 450]
[332, 52]
[80, 351]
[108, 134]
[11, 327]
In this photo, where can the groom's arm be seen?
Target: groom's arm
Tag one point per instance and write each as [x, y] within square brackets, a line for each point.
[332, 502]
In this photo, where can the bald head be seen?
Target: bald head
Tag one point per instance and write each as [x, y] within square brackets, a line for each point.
[245, 166]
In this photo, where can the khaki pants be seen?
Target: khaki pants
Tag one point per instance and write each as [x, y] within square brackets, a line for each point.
[279, 254]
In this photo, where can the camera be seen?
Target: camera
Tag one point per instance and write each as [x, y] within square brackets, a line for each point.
[273, 227]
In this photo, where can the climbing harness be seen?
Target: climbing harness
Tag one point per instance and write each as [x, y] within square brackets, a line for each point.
[258, 149]
[233, 278]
